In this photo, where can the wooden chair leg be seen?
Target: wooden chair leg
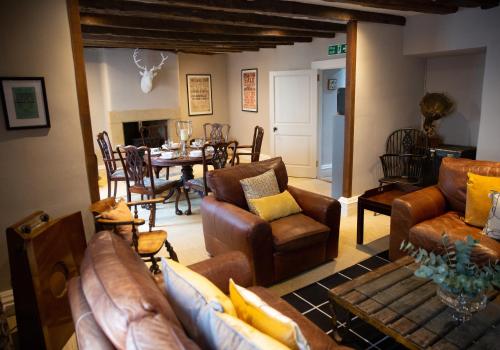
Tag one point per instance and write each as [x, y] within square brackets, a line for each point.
[109, 188]
[116, 188]
[154, 268]
[186, 193]
[171, 251]
[177, 197]
[153, 220]
[167, 173]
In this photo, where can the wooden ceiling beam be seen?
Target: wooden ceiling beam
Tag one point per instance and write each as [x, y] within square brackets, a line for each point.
[200, 37]
[174, 48]
[115, 21]
[287, 9]
[173, 44]
[195, 15]
[424, 6]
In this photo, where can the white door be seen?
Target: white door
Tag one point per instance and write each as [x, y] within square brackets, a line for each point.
[294, 112]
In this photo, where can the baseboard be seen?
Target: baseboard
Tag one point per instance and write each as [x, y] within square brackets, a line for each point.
[7, 298]
[326, 166]
[348, 205]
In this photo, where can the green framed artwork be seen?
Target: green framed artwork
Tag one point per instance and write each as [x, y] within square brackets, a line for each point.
[24, 102]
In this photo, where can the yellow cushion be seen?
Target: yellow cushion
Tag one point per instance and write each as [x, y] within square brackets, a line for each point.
[228, 332]
[121, 212]
[478, 203]
[254, 311]
[274, 207]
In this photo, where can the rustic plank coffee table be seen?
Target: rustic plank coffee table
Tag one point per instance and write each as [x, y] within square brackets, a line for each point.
[407, 308]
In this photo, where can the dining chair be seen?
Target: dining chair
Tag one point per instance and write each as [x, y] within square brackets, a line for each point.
[218, 156]
[140, 179]
[216, 132]
[113, 173]
[146, 244]
[258, 136]
[154, 136]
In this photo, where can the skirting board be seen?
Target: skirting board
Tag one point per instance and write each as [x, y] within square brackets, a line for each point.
[326, 166]
[348, 205]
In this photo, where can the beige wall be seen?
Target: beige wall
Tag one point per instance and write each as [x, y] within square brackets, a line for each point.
[298, 56]
[388, 89]
[203, 64]
[41, 169]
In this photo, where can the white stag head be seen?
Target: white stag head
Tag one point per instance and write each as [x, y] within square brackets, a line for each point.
[148, 74]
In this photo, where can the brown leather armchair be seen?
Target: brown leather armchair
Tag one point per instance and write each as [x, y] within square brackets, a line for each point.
[424, 215]
[278, 249]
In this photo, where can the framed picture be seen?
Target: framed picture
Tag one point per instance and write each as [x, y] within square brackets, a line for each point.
[199, 91]
[24, 102]
[332, 84]
[249, 79]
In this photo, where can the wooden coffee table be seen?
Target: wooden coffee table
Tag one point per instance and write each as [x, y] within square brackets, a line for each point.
[379, 200]
[407, 308]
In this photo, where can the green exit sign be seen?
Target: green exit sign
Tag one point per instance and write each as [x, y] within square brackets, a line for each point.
[337, 49]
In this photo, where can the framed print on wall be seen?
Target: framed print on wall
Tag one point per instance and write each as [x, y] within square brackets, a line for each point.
[199, 94]
[24, 102]
[249, 102]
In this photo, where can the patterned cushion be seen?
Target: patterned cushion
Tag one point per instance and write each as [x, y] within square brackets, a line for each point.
[118, 174]
[263, 185]
[196, 183]
[160, 184]
[492, 228]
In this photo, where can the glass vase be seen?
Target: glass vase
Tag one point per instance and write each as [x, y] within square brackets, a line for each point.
[463, 305]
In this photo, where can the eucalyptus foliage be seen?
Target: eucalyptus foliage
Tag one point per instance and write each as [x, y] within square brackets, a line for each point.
[454, 270]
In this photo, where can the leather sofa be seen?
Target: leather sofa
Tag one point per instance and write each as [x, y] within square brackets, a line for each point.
[117, 303]
[276, 250]
[422, 216]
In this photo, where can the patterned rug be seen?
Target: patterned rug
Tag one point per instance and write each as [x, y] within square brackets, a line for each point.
[312, 302]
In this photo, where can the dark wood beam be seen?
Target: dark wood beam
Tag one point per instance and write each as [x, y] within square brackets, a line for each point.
[425, 6]
[288, 9]
[115, 21]
[172, 48]
[200, 37]
[194, 15]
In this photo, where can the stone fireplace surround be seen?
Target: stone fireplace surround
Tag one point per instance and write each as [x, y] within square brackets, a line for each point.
[117, 118]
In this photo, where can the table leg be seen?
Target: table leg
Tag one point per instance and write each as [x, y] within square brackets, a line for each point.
[341, 321]
[157, 170]
[361, 223]
[187, 174]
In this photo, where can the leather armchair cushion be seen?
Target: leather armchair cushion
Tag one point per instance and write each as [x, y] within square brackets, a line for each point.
[297, 231]
[453, 178]
[225, 182]
[119, 288]
[427, 235]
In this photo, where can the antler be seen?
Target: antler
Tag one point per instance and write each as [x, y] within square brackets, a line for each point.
[163, 59]
[136, 61]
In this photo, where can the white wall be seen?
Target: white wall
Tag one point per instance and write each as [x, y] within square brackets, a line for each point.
[42, 169]
[461, 78]
[293, 57]
[388, 89]
[465, 30]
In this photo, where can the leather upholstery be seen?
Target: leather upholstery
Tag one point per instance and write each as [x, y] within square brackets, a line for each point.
[423, 216]
[117, 303]
[225, 183]
[276, 250]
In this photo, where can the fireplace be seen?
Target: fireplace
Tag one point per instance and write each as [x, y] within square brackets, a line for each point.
[155, 132]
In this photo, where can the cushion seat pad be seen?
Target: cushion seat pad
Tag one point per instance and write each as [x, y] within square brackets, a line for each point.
[151, 242]
[119, 174]
[316, 338]
[161, 185]
[427, 235]
[297, 231]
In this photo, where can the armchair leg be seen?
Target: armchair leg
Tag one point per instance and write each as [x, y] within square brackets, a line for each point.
[171, 251]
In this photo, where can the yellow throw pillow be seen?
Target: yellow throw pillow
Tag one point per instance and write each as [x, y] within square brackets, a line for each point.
[274, 207]
[227, 332]
[478, 203]
[192, 296]
[254, 311]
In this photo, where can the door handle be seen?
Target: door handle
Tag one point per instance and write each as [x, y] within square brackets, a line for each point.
[275, 129]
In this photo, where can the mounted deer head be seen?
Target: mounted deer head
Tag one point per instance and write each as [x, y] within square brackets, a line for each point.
[148, 74]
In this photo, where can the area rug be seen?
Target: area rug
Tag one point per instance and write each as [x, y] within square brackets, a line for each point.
[312, 301]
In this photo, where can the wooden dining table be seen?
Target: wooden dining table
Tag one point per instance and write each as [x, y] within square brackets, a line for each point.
[185, 162]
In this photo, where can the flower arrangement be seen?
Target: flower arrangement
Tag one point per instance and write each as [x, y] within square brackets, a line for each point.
[433, 107]
[454, 271]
